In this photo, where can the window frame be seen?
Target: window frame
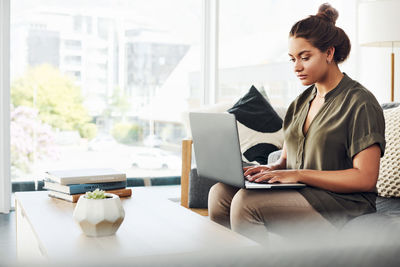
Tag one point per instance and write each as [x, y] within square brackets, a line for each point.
[5, 177]
[210, 43]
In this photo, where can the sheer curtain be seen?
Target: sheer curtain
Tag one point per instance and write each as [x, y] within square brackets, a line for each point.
[5, 185]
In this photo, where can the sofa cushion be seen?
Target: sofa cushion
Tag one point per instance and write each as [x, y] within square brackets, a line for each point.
[259, 126]
[389, 206]
[198, 190]
[379, 226]
[388, 184]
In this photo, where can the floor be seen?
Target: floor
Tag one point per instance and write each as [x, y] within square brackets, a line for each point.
[7, 237]
[8, 231]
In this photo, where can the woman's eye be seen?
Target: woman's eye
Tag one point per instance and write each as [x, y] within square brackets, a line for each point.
[291, 59]
[305, 58]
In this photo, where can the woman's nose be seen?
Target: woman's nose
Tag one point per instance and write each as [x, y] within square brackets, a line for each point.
[298, 67]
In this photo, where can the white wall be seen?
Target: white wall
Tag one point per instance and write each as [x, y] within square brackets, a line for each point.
[374, 63]
[5, 183]
[375, 72]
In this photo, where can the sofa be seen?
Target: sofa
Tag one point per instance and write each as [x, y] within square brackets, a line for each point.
[194, 189]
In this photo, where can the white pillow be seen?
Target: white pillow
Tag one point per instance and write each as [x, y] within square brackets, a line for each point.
[389, 173]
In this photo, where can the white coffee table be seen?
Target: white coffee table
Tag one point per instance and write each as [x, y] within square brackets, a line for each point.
[153, 225]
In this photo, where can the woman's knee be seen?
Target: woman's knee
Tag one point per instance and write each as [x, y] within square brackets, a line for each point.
[221, 192]
[219, 200]
[244, 207]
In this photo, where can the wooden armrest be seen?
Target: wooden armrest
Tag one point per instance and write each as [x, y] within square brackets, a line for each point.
[186, 166]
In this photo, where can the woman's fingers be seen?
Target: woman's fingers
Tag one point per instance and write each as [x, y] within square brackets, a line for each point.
[275, 176]
[253, 170]
[264, 178]
[253, 177]
[273, 180]
[260, 177]
[250, 170]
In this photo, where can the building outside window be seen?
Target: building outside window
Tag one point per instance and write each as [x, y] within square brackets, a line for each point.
[101, 84]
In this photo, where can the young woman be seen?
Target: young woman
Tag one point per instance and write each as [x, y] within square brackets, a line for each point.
[334, 138]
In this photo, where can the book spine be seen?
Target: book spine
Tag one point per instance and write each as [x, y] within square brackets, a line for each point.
[126, 192]
[83, 188]
[92, 179]
[69, 198]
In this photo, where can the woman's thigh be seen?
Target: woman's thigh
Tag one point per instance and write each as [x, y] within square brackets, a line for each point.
[280, 211]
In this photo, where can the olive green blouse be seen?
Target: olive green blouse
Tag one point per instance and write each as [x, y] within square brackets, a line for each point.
[349, 121]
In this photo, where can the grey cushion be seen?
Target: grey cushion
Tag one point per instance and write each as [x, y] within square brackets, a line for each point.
[198, 190]
[373, 224]
[389, 206]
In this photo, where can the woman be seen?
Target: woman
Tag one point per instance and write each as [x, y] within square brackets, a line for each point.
[334, 138]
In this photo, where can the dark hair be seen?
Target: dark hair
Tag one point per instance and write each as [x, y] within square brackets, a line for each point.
[321, 32]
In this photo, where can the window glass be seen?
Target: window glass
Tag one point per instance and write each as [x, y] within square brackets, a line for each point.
[101, 84]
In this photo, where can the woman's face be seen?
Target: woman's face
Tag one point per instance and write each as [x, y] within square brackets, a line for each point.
[310, 64]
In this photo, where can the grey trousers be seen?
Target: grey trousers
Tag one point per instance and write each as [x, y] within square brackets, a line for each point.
[254, 213]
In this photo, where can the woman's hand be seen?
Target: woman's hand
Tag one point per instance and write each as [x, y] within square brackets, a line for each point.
[251, 170]
[270, 174]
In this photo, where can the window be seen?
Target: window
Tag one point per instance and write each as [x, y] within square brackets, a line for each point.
[99, 84]
[73, 44]
[73, 60]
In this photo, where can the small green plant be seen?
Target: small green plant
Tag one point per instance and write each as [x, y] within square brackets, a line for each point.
[96, 194]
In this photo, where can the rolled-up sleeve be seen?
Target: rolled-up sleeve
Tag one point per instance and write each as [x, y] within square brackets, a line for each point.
[367, 127]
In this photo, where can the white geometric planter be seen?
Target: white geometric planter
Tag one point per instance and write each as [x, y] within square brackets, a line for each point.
[99, 217]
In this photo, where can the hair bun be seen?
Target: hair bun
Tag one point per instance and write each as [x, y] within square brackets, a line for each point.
[328, 13]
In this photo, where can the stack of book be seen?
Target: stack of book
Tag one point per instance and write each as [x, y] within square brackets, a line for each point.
[71, 184]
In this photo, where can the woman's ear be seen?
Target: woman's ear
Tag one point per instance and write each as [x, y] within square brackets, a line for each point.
[330, 52]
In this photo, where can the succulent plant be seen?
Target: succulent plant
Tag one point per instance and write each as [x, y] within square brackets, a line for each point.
[96, 194]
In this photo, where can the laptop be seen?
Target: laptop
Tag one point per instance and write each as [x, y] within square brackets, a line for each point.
[217, 151]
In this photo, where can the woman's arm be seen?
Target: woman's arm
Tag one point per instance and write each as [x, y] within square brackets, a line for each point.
[361, 178]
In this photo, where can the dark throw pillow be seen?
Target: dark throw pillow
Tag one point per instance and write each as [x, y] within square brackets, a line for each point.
[259, 126]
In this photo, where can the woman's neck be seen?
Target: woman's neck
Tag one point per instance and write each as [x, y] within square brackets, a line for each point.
[330, 80]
